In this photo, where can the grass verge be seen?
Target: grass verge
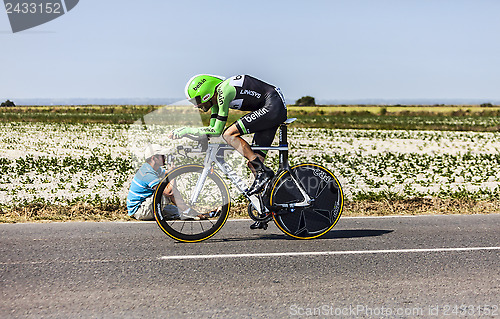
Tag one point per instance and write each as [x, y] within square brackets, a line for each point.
[37, 212]
[41, 212]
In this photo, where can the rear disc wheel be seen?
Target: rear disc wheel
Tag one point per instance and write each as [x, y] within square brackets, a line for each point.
[324, 212]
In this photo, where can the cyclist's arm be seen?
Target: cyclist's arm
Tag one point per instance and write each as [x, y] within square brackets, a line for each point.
[213, 116]
[225, 94]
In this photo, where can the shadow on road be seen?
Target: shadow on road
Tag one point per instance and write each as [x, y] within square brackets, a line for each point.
[356, 233]
[333, 234]
[256, 237]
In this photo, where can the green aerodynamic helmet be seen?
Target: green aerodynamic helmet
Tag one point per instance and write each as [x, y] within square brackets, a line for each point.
[201, 88]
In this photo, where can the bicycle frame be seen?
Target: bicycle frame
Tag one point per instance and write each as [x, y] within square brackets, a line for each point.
[215, 155]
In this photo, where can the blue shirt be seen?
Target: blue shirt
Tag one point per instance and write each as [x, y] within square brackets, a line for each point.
[142, 186]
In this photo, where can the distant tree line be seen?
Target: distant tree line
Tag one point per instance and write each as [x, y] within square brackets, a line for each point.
[310, 101]
[7, 103]
[306, 101]
[486, 105]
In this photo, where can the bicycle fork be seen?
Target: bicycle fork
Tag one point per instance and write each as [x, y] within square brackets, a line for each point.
[201, 180]
[199, 185]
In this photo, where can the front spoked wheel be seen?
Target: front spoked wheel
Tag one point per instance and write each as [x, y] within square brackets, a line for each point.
[206, 215]
[323, 212]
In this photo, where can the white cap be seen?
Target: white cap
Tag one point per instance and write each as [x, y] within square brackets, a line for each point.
[154, 149]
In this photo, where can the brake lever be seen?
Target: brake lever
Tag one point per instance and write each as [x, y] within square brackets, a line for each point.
[203, 143]
[182, 148]
[202, 140]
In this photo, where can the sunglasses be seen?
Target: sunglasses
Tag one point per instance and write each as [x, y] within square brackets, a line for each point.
[196, 101]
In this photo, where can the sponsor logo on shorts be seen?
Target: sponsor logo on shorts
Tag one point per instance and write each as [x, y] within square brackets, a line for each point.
[255, 115]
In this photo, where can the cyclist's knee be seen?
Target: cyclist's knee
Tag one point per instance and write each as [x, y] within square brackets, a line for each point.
[227, 137]
[231, 133]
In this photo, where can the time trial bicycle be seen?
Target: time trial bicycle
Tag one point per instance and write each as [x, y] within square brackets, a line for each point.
[304, 200]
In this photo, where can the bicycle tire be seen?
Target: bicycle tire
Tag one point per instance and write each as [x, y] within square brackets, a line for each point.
[315, 220]
[214, 195]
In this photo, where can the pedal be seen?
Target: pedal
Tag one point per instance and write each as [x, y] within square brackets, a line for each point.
[254, 215]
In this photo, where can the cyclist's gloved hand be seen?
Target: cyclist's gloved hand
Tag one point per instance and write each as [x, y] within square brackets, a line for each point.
[196, 131]
[180, 132]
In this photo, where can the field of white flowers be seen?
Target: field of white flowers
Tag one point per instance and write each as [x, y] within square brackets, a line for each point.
[403, 164]
[91, 163]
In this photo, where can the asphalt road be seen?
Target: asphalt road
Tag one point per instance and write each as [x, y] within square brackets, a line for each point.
[427, 266]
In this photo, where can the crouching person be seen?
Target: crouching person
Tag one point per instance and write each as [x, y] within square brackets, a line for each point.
[143, 186]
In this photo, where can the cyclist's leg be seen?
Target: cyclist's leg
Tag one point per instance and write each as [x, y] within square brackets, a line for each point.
[264, 122]
[263, 138]
[263, 174]
[232, 135]
[265, 126]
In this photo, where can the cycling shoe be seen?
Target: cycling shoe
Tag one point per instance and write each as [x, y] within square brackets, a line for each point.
[259, 225]
[263, 176]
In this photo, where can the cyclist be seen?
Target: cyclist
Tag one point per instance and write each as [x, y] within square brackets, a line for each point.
[267, 108]
[244, 92]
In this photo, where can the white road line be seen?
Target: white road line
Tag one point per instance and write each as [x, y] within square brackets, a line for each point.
[288, 254]
[326, 253]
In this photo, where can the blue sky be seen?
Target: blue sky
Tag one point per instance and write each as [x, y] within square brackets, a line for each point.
[422, 49]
